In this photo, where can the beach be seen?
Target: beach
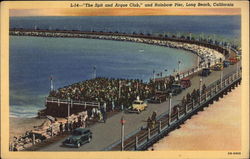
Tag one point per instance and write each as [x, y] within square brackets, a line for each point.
[218, 128]
[18, 126]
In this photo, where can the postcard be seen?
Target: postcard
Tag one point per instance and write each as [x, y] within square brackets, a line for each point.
[124, 79]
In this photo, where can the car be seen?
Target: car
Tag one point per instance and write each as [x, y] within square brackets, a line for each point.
[233, 60]
[138, 106]
[226, 63]
[238, 57]
[205, 72]
[175, 89]
[185, 82]
[159, 97]
[218, 67]
[79, 137]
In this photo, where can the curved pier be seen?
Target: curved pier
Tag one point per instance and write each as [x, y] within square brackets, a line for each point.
[142, 138]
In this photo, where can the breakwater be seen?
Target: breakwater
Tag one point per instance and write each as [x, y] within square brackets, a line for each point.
[207, 51]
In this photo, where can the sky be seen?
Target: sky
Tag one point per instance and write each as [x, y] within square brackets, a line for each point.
[123, 12]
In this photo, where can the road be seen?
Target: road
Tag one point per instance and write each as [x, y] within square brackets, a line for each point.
[107, 133]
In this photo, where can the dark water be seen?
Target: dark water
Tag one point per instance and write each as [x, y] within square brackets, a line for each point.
[34, 59]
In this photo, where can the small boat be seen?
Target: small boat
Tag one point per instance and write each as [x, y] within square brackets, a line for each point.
[141, 50]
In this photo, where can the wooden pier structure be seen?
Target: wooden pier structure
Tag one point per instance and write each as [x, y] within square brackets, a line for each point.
[145, 137]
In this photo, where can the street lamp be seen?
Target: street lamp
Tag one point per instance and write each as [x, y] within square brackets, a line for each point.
[122, 133]
[200, 88]
[179, 62]
[154, 75]
[68, 112]
[119, 95]
[170, 107]
[94, 73]
[221, 78]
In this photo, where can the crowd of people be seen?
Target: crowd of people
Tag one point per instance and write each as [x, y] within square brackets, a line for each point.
[114, 93]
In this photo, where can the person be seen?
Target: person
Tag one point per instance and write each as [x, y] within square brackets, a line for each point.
[93, 113]
[183, 101]
[104, 117]
[203, 88]
[153, 117]
[61, 128]
[99, 115]
[105, 107]
[149, 122]
[70, 126]
[74, 125]
[79, 121]
[66, 126]
[113, 105]
[122, 107]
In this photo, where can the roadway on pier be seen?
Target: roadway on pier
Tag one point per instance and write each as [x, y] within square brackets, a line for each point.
[107, 133]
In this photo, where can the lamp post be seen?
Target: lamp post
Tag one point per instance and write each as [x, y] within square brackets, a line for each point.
[214, 38]
[68, 112]
[170, 107]
[221, 78]
[94, 73]
[119, 89]
[237, 69]
[179, 62]
[122, 133]
[154, 75]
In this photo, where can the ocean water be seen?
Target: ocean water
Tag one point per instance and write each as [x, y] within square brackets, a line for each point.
[34, 59]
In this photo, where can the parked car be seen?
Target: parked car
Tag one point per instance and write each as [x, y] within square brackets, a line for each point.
[233, 60]
[238, 57]
[79, 137]
[226, 63]
[175, 89]
[159, 97]
[185, 82]
[218, 67]
[137, 106]
[205, 72]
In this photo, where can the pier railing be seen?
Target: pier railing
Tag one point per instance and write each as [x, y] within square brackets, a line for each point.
[71, 102]
[146, 136]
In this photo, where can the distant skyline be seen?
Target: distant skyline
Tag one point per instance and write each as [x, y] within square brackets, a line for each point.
[124, 12]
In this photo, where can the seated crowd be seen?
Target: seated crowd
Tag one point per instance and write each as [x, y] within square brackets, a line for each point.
[112, 92]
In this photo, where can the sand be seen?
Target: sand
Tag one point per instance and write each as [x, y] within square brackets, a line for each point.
[218, 127]
[18, 126]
